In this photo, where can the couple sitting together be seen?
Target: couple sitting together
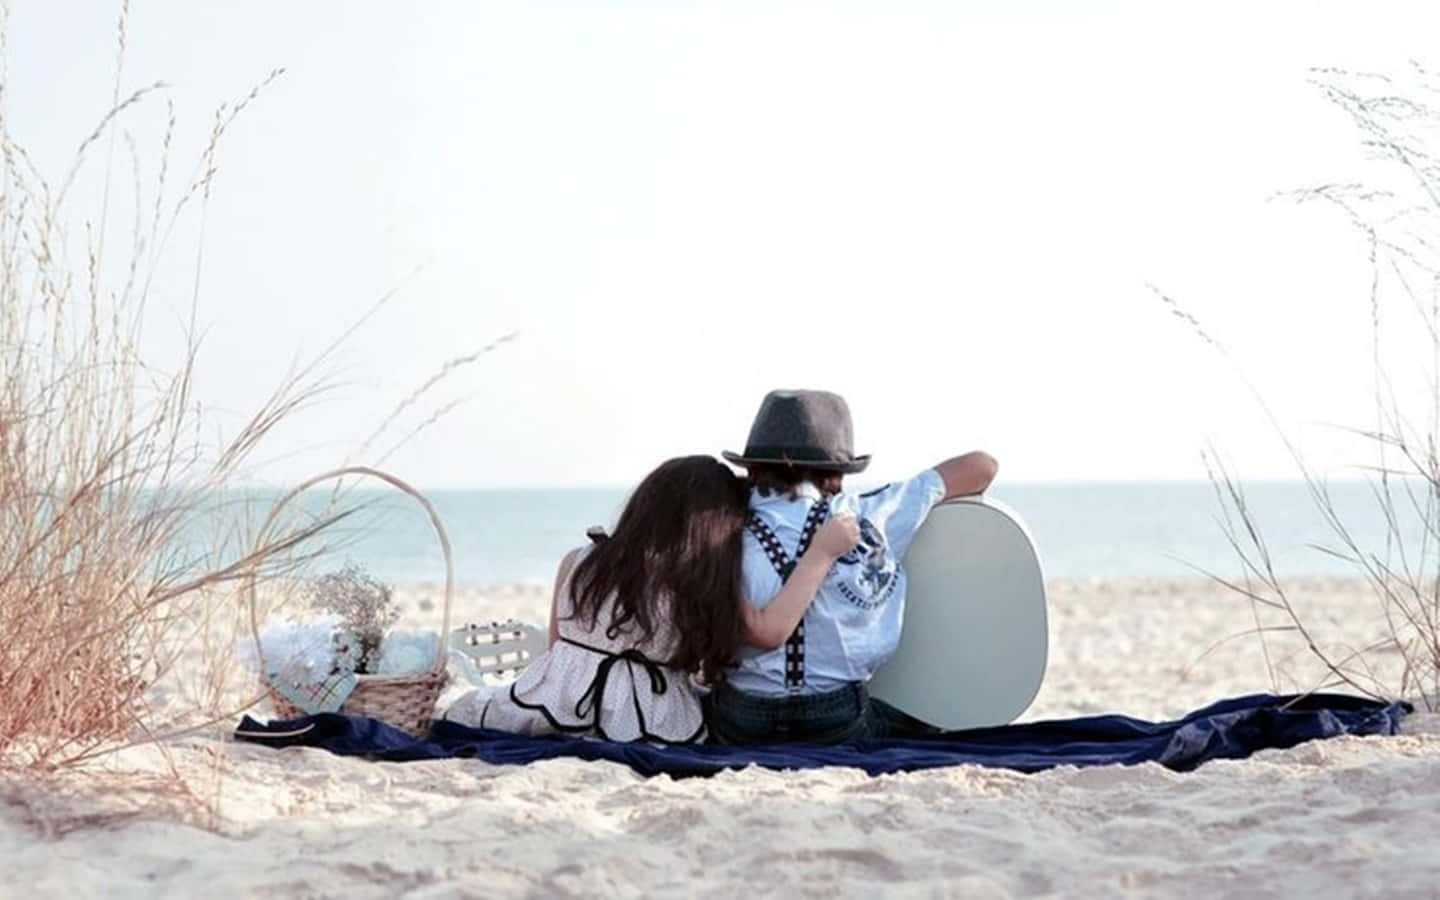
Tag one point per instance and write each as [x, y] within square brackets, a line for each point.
[744, 610]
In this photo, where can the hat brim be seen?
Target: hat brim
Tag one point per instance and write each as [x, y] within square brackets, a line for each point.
[857, 464]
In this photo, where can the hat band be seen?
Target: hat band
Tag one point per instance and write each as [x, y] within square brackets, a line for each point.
[797, 455]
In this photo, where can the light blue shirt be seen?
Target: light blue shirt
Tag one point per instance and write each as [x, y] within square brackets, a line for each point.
[853, 625]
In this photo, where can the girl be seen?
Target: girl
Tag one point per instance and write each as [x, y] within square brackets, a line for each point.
[636, 614]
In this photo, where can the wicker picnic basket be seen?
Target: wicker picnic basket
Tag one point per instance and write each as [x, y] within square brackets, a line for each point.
[405, 701]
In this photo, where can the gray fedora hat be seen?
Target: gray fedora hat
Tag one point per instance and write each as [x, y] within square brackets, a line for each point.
[802, 428]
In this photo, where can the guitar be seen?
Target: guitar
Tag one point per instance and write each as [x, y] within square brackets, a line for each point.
[497, 647]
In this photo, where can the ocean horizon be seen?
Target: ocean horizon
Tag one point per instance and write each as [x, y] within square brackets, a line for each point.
[1081, 530]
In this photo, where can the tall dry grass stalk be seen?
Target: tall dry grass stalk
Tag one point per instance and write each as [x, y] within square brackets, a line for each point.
[102, 472]
[1397, 215]
[123, 537]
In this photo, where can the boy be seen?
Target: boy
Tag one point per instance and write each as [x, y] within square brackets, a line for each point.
[811, 687]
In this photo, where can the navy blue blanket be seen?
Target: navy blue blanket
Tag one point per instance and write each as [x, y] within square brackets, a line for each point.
[1229, 729]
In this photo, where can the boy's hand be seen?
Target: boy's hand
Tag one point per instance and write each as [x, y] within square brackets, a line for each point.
[837, 537]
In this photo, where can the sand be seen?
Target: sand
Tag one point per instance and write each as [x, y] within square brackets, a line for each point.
[1344, 817]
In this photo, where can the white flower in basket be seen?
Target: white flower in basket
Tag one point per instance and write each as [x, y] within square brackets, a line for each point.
[315, 662]
[297, 660]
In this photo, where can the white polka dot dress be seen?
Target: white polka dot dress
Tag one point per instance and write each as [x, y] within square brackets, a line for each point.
[590, 684]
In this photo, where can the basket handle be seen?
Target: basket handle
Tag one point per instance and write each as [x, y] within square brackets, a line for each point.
[440, 649]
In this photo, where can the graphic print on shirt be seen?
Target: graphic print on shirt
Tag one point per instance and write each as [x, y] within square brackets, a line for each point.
[879, 570]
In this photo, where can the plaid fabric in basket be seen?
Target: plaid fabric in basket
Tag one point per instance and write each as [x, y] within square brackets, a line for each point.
[300, 685]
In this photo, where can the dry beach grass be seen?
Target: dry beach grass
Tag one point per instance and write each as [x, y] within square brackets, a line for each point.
[123, 530]
[123, 541]
[101, 468]
[1395, 212]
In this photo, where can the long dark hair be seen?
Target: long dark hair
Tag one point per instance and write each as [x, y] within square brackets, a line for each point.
[675, 554]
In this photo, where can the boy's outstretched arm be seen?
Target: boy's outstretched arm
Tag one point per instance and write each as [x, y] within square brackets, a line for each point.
[970, 473]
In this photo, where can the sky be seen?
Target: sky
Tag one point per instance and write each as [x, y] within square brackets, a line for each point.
[951, 213]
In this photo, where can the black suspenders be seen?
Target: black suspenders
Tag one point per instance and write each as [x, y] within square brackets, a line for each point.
[784, 565]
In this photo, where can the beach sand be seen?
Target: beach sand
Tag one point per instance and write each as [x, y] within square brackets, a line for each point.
[1344, 817]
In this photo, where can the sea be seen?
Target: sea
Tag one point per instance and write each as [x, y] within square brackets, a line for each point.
[1084, 531]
